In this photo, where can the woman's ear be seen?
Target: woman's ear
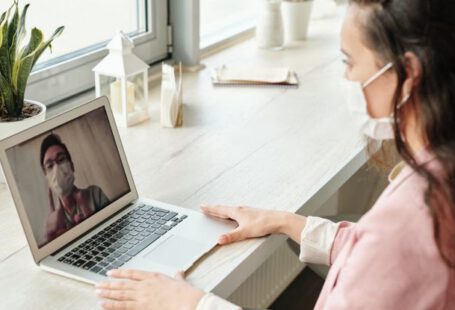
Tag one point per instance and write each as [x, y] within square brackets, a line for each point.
[413, 74]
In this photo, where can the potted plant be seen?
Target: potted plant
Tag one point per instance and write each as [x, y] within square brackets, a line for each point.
[17, 59]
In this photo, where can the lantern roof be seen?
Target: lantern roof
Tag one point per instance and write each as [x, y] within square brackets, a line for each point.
[121, 61]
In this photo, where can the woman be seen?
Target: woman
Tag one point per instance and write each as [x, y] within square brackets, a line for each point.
[400, 58]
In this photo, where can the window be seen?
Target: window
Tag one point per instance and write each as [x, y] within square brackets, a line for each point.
[221, 19]
[89, 25]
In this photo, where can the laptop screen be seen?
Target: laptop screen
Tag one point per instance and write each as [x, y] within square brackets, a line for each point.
[66, 175]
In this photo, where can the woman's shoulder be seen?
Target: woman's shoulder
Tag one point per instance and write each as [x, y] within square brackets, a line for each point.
[401, 218]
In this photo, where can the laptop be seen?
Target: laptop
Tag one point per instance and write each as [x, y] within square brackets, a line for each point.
[79, 207]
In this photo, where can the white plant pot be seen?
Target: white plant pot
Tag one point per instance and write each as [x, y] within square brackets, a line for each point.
[296, 17]
[10, 128]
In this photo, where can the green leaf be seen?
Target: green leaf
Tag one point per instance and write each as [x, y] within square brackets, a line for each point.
[23, 17]
[48, 43]
[7, 96]
[35, 41]
[13, 25]
[2, 101]
[1, 30]
[2, 18]
[22, 74]
[18, 35]
[5, 67]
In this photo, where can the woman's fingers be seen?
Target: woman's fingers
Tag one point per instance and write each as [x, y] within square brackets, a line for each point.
[117, 305]
[237, 234]
[218, 211]
[129, 274]
[180, 276]
[117, 285]
[120, 295]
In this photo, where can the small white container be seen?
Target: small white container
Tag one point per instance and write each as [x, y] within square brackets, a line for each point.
[10, 128]
[269, 31]
[296, 15]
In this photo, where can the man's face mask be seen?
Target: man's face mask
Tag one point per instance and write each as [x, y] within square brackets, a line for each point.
[376, 128]
[61, 178]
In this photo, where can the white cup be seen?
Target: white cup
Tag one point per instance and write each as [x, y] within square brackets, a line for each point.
[296, 19]
[269, 31]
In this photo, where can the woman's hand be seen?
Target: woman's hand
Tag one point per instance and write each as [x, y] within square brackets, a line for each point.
[140, 290]
[255, 223]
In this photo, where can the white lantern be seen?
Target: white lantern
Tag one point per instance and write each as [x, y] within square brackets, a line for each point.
[123, 78]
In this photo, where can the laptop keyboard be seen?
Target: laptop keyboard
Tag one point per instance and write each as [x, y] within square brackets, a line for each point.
[116, 244]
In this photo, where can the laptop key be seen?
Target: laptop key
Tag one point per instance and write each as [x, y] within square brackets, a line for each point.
[68, 261]
[123, 249]
[88, 257]
[169, 216]
[160, 231]
[143, 244]
[96, 269]
[125, 258]
[105, 264]
[116, 264]
[150, 230]
[89, 265]
[103, 272]
[79, 263]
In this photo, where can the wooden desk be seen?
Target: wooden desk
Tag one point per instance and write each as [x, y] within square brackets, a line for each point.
[286, 149]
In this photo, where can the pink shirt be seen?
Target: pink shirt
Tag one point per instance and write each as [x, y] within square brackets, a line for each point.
[388, 260]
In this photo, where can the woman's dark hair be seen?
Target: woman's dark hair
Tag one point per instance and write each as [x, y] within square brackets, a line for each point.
[49, 141]
[425, 28]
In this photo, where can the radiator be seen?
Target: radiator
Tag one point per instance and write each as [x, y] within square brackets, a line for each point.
[261, 289]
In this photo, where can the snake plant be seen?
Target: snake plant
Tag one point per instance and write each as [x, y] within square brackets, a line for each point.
[17, 58]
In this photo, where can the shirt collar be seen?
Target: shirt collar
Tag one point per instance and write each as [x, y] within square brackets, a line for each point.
[402, 169]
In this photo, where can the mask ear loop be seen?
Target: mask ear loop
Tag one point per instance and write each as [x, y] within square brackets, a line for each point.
[405, 99]
[378, 74]
[399, 106]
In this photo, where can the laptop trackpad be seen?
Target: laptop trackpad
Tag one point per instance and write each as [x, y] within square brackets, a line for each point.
[176, 251]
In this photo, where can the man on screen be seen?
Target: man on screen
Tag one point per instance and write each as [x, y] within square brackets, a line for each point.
[68, 204]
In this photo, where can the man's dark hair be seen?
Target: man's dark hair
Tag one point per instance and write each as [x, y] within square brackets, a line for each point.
[52, 140]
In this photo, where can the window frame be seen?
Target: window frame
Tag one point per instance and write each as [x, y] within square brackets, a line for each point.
[210, 41]
[68, 78]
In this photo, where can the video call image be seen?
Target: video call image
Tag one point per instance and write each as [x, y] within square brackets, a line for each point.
[68, 174]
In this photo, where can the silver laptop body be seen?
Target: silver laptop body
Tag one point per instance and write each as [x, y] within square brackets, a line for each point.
[96, 223]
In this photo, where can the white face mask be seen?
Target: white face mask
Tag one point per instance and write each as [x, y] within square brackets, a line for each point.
[61, 179]
[376, 128]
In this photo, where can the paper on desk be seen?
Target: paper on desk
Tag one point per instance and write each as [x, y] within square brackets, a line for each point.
[171, 97]
[253, 74]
